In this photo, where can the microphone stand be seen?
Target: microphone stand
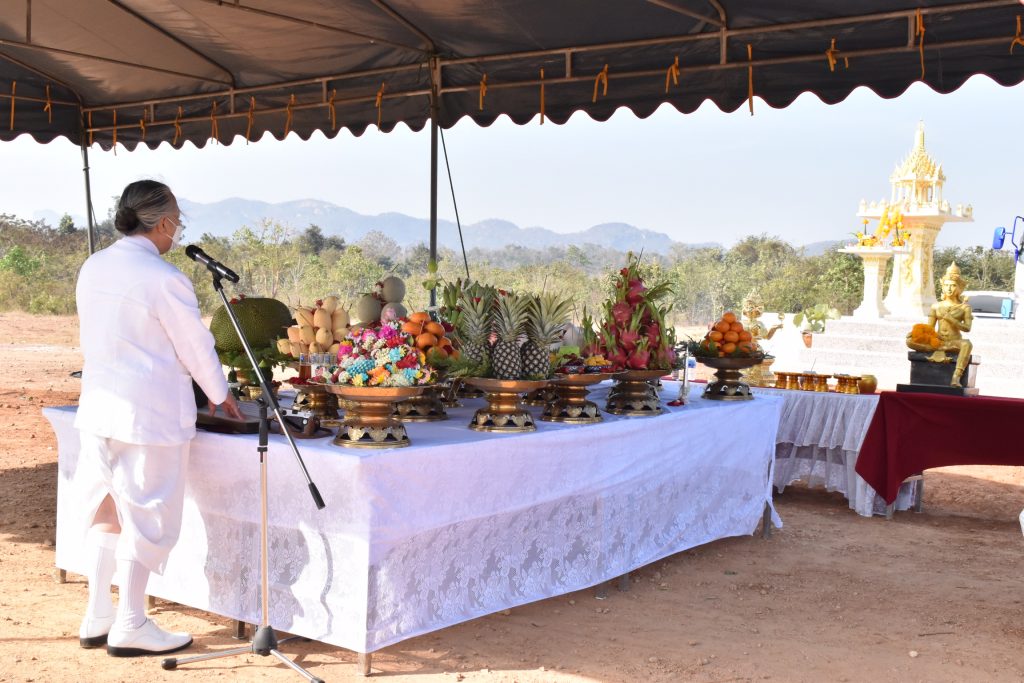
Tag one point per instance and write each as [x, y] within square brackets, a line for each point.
[264, 642]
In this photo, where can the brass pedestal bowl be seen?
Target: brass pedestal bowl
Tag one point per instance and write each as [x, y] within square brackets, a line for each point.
[761, 375]
[369, 416]
[570, 402]
[504, 411]
[727, 385]
[634, 395]
[319, 401]
[540, 397]
[427, 407]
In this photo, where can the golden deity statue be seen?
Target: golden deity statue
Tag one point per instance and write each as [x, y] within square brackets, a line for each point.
[948, 318]
[753, 308]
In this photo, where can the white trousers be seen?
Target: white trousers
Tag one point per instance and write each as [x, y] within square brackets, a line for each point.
[147, 484]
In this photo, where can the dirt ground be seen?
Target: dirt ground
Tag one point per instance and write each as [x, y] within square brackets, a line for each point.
[831, 597]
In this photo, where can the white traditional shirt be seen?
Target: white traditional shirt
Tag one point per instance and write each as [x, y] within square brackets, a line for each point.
[143, 340]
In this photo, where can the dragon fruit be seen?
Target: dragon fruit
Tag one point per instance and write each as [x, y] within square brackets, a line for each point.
[633, 333]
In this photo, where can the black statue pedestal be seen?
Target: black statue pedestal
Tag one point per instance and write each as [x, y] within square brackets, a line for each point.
[934, 378]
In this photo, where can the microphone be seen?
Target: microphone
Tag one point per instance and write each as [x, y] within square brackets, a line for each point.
[214, 266]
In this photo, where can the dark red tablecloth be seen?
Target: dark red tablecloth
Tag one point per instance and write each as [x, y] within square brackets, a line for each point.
[911, 432]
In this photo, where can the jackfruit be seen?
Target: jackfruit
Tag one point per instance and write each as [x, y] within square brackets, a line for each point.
[262, 320]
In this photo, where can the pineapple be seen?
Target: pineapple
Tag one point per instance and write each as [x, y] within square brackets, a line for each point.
[548, 318]
[509, 323]
[475, 325]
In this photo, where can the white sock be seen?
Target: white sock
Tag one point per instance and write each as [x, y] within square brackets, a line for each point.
[131, 606]
[100, 557]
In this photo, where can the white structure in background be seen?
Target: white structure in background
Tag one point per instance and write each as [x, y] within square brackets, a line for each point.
[917, 195]
[873, 259]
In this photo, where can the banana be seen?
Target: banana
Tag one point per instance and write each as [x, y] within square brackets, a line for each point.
[339, 319]
[304, 315]
[330, 304]
[322, 319]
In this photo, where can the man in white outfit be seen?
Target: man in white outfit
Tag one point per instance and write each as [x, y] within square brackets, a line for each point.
[143, 343]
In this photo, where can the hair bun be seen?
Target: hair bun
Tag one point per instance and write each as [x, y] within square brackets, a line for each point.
[126, 220]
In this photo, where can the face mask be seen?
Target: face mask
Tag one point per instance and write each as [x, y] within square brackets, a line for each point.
[176, 238]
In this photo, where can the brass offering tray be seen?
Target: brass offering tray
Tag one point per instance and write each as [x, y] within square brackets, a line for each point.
[369, 419]
[321, 403]
[427, 407]
[633, 394]
[727, 385]
[504, 411]
[570, 404]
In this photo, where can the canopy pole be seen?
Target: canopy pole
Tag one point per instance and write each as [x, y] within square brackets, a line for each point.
[434, 115]
[88, 198]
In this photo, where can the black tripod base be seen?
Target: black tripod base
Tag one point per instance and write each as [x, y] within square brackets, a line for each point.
[264, 643]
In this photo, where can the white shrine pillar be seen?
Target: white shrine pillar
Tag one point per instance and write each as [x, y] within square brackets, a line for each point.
[873, 260]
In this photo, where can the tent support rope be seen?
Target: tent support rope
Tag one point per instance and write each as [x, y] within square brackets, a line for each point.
[458, 223]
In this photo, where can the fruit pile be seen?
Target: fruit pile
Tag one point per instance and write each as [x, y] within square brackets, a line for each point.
[633, 334]
[574, 364]
[319, 329]
[507, 335]
[726, 337]
[430, 336]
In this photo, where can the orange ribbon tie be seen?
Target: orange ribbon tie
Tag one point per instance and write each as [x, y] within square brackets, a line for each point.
[542, 97]
[483, 91]
[919, 31]
[673, 74]
[1017, 40]
[601, 77]
[750, 79]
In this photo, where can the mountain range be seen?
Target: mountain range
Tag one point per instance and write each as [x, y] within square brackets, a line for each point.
[223, 218]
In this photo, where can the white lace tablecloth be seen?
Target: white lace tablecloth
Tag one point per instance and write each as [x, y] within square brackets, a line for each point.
[459, 525]
[819, 438]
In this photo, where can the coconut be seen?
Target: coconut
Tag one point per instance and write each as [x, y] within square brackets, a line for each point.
[393, 311]
[284, 346]
[368, 309]
[393, 289]
[334, 349]
[339, 335]
[296, 349]
[315, 348]
[307, 334]
[293, 334]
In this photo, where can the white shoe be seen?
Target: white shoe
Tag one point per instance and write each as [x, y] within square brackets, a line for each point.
[93, 631]
[148, 639]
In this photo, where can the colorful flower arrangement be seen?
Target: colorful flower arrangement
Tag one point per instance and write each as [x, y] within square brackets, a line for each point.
[380, 356]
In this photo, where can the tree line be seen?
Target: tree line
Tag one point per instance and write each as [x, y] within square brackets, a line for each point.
[39, 265]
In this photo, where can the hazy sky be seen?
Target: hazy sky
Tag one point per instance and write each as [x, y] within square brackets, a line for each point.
[798, 173]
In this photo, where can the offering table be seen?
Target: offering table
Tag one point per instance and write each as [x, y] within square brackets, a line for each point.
[459, 525]
[912, 432]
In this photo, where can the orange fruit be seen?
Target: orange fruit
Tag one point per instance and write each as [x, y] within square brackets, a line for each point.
[413, 328]
[722, 326]
[745, 347]
[728, 347]
[434, 329]
[731, 337]
[745, 336]
[715, 335]
[729, 317]
[721, 354]
[425, 341]
[420, 317]
[736, 327]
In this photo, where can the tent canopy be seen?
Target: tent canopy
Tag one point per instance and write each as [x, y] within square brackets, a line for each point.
[153, 71]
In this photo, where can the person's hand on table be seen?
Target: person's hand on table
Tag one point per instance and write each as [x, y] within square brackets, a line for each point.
[230, 406]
